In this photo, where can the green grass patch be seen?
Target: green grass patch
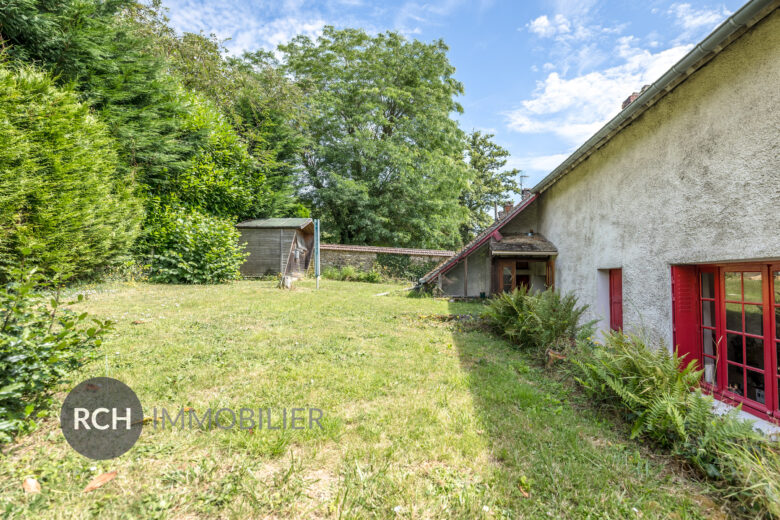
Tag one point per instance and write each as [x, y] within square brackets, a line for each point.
[424, 418]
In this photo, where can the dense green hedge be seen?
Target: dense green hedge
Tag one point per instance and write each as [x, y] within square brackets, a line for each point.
[190, 247]
[60, 199]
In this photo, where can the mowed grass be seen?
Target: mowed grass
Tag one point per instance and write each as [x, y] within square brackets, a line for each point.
[423, 418]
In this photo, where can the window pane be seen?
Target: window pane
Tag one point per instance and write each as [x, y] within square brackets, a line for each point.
[777, 348]
[734, 316]
[736, 384]
[752, 284]
[754, 352]
[708, 314]
[733, 286]
[777, 322]
[777, 287]
[507, 279]
[708, 341]
[755, 386]
[710, 374]
[754, 320]
[734, 350]
[707, 285]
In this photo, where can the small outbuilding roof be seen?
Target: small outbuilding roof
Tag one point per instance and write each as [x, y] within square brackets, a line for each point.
[533, 244]
[278, 223]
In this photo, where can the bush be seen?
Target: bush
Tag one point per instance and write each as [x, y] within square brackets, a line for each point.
[190, 247]
[61, 199]
[40, 343]
[661, 395]
[350, 274]
[538, 321]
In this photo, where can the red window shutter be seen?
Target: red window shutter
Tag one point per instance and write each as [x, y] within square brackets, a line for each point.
[616, 299]
[685, 312]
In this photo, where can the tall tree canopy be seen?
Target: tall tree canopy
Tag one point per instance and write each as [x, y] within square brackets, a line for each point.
[384, 161]
[489, 185]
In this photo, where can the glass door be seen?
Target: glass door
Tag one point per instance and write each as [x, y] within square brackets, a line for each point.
[745, 336]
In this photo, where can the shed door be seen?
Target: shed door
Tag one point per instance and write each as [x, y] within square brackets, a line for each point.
[616, 299]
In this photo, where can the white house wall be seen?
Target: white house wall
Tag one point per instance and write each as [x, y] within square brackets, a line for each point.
[695, 179]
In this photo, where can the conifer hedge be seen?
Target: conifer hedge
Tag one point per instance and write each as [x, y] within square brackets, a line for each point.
[61, 203]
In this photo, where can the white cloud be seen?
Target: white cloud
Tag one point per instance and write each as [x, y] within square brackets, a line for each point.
[547, 28]
[575, 108]
[690, 19]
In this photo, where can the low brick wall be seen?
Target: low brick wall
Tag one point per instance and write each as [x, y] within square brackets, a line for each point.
[363, 257]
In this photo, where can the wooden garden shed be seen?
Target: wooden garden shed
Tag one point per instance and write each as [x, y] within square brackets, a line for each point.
[277, 245]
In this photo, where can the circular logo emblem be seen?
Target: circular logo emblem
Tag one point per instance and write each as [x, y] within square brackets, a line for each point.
[101, 418]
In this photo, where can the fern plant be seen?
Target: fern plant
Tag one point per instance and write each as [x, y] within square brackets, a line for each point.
[538, 321]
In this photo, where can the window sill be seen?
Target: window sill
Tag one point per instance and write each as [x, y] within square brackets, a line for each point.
[762, 425]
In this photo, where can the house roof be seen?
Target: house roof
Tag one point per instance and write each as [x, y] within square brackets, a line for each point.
[534, 244]
[731, 29]
[277, 223]
[481, 239]
[391, 250]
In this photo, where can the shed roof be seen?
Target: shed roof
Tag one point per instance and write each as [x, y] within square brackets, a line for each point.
[534, 244]
[277, 223]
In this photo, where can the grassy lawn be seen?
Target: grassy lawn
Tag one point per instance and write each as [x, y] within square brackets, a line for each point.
[422, 419]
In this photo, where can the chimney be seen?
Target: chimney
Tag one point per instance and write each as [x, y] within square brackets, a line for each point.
[525, 193]
[507, 208]
[630, 99]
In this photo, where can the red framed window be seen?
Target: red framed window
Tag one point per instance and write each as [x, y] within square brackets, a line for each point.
[727, 317]
[616, 299]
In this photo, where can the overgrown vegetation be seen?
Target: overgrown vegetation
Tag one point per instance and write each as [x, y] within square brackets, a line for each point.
[538, 320]
[655, 390]
[41, 342]
[660, 394]
[351, 274]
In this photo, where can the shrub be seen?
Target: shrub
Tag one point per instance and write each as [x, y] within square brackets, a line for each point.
[350, 274]
[190, 247]
[61, 199]
[40, 343]
[538, 321]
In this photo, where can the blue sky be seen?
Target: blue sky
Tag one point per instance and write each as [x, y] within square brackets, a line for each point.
[541, 75]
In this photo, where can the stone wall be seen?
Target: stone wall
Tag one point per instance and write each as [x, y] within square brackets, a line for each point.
[364, 260]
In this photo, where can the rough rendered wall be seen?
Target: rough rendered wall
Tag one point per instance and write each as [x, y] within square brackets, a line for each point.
[479, 272]
[695, 179]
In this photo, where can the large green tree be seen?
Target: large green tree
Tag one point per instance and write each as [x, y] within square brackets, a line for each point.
[489, 186]
[261, 103]
[383, 163]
